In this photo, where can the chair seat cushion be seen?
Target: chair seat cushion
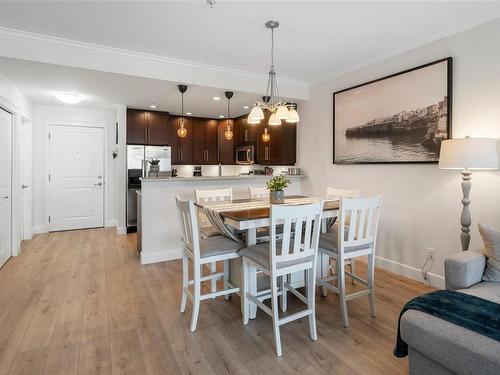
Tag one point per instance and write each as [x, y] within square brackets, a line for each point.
[218, 245]
[261, 255]
[209, 231]
[329, 241]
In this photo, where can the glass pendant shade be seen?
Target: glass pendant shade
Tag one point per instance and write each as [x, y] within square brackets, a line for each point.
[282, 112]
[265, 136]
[274, 119]
[253, 122]
[228, 134]
[182, 131]
[293, 116]
[256, 114]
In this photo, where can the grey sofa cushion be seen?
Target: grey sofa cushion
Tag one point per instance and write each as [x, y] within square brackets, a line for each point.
[487, 290]
[458, 349]
[491, 239]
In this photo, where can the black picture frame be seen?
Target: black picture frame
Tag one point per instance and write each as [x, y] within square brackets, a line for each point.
[449, 94]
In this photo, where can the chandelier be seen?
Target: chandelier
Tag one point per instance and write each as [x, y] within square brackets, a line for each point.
[280, 109]
[182, 131]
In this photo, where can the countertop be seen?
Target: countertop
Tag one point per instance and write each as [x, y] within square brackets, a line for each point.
[212, 178]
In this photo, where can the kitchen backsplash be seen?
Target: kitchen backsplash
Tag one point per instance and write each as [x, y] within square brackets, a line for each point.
[227, 170]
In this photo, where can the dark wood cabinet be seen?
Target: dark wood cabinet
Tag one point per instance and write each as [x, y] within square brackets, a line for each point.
[225, 147]
[205, 141]
[147, 127]
[181, 148]
[245, 132]
[136, 126]
[281, 148]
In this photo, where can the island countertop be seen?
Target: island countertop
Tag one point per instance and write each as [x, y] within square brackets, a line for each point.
[214, 178]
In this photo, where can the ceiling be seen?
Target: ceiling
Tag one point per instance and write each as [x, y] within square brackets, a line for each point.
[315, 40]
[40, 81]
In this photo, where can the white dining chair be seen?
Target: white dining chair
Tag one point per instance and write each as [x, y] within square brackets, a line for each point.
[203, 251]
[352, 241]
[206, 228]
[335, 193]
[278, 259]
[258, 192]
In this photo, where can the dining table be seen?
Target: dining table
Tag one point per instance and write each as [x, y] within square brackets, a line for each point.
[231, 218]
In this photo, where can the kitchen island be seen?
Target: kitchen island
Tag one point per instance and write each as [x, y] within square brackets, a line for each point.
[160, 237]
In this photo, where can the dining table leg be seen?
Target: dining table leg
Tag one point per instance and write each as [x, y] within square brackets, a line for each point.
[252, 272]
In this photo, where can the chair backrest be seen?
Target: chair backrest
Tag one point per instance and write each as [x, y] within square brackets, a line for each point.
[306, 220]
[342, 193]
[188, 223]
[258, 192]
[213, 195]
[364, 215]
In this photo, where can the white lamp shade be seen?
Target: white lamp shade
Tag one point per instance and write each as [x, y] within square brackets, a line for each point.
[470, 153]
[282, 112]
[293, 116]
[274, 119]
[256, 114]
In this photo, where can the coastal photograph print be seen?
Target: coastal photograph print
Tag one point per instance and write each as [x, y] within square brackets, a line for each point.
[401, 118]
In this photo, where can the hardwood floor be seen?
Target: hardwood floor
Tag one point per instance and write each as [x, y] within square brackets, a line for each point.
[80, 303]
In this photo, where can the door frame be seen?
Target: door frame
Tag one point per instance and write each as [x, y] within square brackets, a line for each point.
[105, 128]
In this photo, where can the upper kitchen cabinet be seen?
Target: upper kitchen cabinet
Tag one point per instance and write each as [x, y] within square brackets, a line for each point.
[181, 148]
[205, 140]
[245, 132]
[281, 148]
[225, 147]
[147, 127]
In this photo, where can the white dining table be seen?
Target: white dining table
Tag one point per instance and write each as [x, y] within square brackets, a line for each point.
[248, 215]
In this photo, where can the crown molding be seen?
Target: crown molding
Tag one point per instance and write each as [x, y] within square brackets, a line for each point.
[25, 45]
[471, 24]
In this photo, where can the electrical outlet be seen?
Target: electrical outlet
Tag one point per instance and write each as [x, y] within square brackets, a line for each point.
[432, 253]
[425, 275]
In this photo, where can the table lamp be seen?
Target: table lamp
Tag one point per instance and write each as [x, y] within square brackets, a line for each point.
[468, 154]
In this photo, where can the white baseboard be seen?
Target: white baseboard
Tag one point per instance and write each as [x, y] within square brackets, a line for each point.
[39, 229]
[111, 223]
[161, 256]
[121, 230]
[414, 273]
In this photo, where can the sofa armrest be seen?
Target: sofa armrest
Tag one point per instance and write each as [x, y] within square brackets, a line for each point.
[464, 269]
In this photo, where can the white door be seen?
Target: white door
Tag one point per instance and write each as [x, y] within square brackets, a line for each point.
[5, 186]
[76, 184]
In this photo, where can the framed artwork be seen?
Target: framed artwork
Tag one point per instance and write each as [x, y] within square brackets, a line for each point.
[401, 118]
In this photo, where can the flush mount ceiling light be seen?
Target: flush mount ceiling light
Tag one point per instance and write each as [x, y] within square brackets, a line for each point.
[228, 134]
[221, 116]
[153, 106]
[216, 98]
[182, 131]
[280, 109]
[188, 113]
[68, 97]
[245, 107]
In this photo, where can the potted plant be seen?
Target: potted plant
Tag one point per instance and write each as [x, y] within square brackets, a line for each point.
[154, 166]
[276, 186]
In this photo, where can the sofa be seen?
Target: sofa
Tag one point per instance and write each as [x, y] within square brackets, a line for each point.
[436, 346]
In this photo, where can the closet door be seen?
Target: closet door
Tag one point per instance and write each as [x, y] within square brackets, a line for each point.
[5, 186]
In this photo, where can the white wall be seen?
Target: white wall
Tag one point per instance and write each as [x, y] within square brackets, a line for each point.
[421, 204]
[59, 114]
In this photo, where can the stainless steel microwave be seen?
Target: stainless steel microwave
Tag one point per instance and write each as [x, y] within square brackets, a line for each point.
[245, 154]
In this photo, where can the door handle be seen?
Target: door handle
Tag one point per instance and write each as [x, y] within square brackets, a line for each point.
[24, 186]
[98, 184]
[6, 197]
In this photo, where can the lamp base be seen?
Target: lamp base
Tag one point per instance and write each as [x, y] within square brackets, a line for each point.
[465, 220]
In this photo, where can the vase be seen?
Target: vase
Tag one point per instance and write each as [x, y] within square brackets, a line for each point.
[277, 197]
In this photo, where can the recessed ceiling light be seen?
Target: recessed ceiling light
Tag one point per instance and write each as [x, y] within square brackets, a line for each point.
[188, 113]
[153, 106]
[69, 97]
[221, 116]
[216, 98]
[245, 107]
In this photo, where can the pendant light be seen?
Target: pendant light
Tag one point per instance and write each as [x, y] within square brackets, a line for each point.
[182, 131]
[228, 134]
[280, 109]
[266, 137]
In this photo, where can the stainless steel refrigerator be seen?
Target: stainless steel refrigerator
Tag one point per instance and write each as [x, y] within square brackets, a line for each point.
[138, 157]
